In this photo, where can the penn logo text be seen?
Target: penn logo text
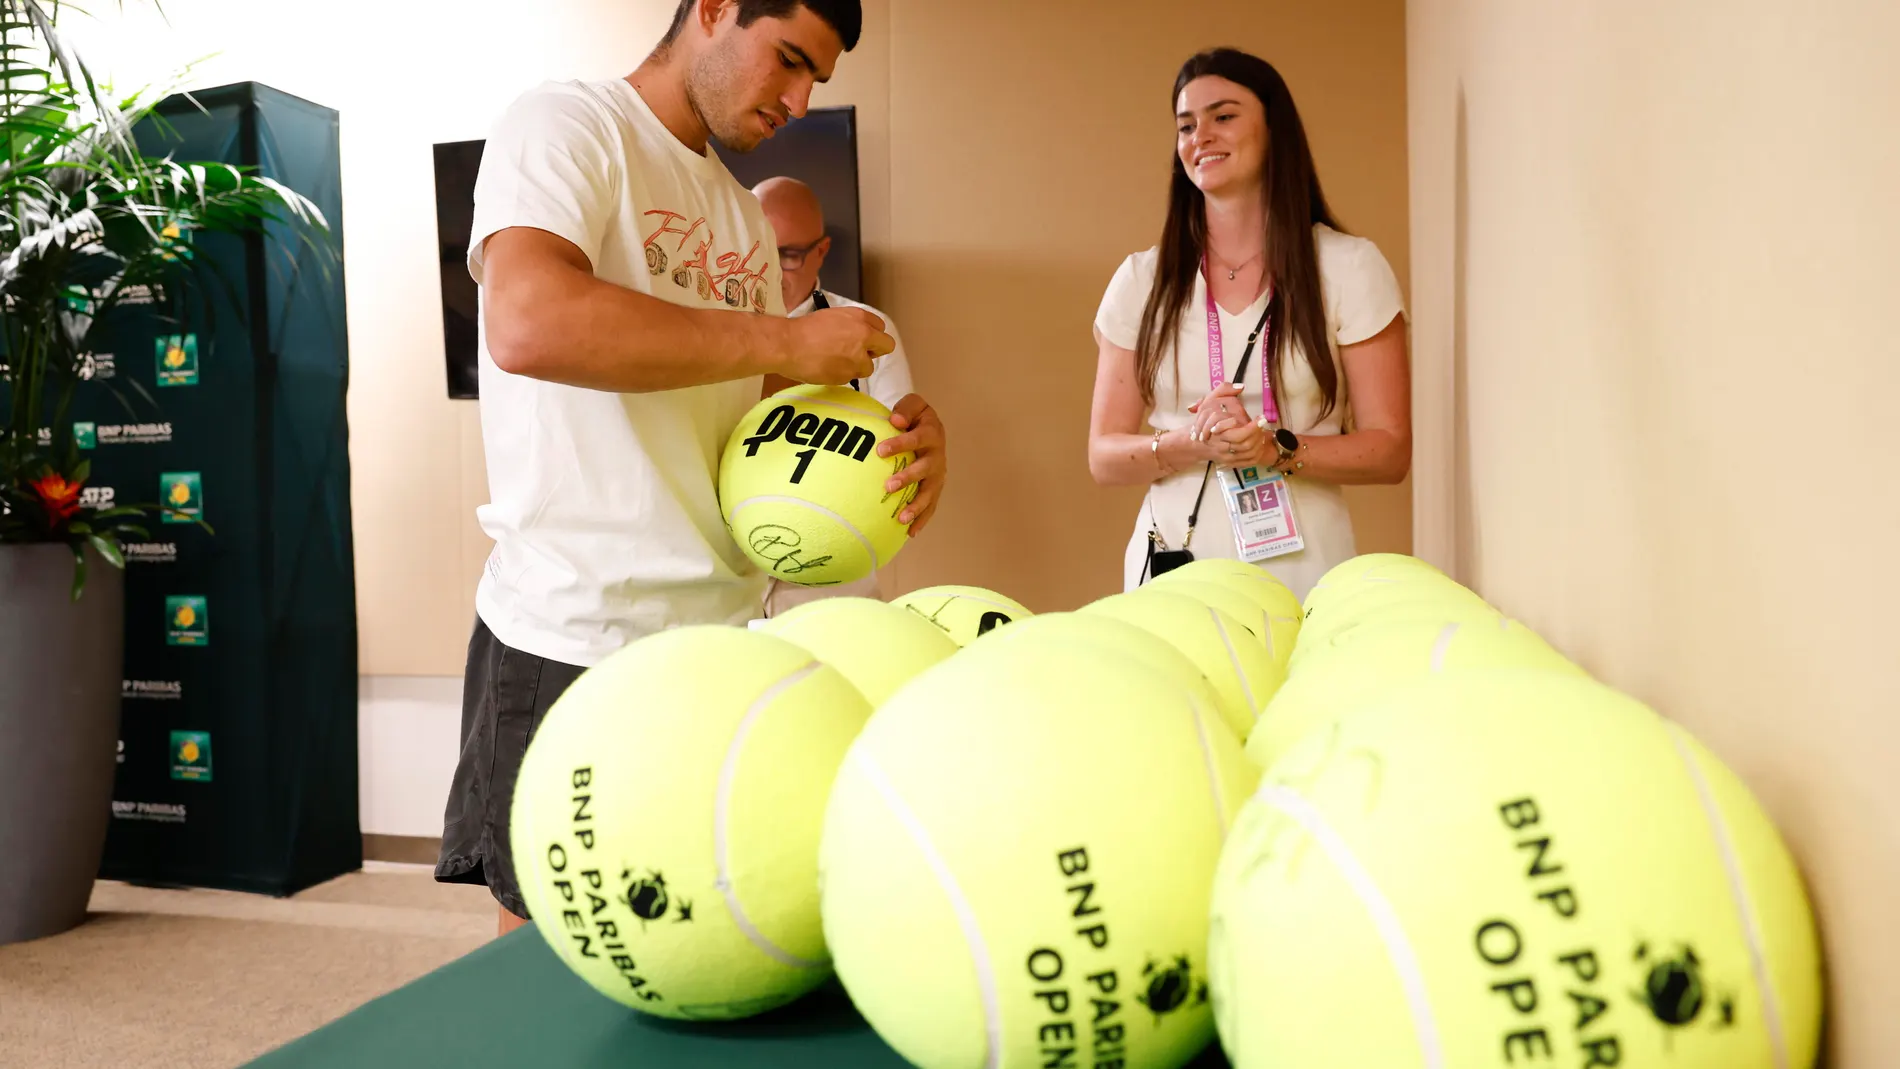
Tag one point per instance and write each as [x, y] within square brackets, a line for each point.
[808, 429]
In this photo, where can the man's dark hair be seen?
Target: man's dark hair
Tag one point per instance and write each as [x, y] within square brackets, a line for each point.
[845, 16]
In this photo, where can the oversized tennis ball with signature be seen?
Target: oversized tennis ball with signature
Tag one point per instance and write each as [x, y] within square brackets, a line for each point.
[801, 486]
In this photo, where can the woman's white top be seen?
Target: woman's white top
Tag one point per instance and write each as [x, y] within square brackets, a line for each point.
[1361, 296]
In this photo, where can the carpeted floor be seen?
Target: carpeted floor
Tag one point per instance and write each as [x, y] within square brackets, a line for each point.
[207, 979]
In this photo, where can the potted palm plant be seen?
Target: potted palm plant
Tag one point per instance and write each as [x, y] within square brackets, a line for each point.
[87, 221]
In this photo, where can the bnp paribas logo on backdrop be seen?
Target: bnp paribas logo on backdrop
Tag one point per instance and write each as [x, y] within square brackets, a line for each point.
[191, 756]
[130, 433]
[163, 690]
[183, 495]
[177, 359]
[187, 621]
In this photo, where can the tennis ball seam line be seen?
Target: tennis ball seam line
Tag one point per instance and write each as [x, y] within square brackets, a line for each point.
[871, 551]
[1442, 648]
[1207, 761]
[1233, 658]
[1738, 893]
[959, 904]
[1385, 919]
[722, 804]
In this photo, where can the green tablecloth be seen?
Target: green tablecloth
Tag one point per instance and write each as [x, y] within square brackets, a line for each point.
[513, 1004]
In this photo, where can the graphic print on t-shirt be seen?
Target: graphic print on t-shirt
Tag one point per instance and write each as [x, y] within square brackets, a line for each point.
[729, 277]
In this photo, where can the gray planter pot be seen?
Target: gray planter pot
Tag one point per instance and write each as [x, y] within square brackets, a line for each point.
[60, 666]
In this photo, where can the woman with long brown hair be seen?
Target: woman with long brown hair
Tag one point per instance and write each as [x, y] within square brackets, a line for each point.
[1263, 346]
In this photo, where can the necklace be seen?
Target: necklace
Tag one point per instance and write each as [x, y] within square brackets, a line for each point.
[1232, 271]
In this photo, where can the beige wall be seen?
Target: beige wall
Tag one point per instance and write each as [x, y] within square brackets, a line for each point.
[1654, 248]
[996, 206]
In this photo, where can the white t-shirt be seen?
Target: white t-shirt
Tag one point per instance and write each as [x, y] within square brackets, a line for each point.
[604, 507]
[889, 383]
[1361, 296]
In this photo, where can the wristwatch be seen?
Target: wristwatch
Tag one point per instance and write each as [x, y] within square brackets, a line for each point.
[1288, 443]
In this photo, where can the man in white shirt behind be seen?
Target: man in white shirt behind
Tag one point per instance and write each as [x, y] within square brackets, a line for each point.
[798, 221]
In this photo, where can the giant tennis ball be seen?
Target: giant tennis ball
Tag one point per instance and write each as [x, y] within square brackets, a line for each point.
[877, 646]
[802, 488]
[1119, 639]
[1250, 579]
[965, 613]
[1360, 664]
[1390, 588]
[1375, 571]
[1017, 859]
[1388, 609]
[1505, 869]
[1231, 656]
[1375, 565]
[1273, 622]
[666, 821]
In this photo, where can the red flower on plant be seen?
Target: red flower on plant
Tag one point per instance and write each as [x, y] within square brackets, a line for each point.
[59, 496]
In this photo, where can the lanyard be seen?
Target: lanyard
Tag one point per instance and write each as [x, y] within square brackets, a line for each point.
[1216, 362]
[817, 302]
[1217, 373]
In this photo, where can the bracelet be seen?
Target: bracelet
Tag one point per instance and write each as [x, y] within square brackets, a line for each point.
[1154, 450]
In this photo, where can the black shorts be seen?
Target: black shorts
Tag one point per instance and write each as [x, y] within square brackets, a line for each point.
[505, 695]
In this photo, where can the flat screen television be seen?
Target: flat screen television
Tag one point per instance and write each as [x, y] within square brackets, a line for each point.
[820, 149]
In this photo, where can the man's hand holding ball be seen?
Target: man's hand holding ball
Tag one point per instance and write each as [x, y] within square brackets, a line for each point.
[923, 438]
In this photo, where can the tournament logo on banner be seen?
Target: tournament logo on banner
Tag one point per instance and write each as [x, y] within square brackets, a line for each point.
[191, 756]
[86, 435]
[182, 493]
[177, 359]
[187, 621]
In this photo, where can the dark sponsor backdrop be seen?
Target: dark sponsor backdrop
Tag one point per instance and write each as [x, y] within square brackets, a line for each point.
[224, 398]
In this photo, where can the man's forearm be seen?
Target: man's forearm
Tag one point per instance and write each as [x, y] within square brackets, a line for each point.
[562, 324]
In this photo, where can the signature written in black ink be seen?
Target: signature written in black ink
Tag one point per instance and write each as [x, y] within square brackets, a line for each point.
[777, 544]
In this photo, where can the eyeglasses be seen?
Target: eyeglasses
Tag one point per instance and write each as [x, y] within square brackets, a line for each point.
[792, 257]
